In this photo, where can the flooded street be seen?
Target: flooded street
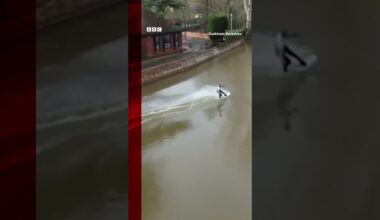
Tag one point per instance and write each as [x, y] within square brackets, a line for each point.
[315, 142]
[197, 148]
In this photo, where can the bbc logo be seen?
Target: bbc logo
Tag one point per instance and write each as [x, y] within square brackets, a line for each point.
[154, 29]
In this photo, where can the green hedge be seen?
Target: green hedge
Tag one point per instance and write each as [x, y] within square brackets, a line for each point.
[217, 24]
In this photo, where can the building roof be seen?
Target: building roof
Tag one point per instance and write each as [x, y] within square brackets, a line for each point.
[151, 19]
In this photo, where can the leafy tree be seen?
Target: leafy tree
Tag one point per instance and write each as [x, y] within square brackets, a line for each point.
[162, 6]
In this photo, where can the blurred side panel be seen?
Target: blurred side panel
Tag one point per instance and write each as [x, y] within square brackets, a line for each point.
[316, 127]
[17, 109]
[82, 110]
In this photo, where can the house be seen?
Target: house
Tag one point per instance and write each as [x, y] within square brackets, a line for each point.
[165, 39]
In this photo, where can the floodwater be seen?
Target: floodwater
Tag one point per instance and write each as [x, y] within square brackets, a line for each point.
[196, 148]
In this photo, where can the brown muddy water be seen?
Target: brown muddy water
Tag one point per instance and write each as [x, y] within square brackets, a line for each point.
[197, 159]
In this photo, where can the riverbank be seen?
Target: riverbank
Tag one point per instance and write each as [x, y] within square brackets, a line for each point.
[185, 63]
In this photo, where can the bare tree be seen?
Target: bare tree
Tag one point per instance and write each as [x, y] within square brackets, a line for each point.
[248, 10]
[192, 9]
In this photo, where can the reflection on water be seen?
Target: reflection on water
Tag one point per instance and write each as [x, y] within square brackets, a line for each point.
[197, 163]
[284, 102]
[211, 113]
[166, 129]
[220, 107]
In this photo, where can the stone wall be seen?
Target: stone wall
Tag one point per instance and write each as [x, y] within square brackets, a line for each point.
[168, 69]
[52, 11]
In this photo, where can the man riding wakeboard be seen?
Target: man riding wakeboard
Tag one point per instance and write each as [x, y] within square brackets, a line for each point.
[284, 52]
[220, 91]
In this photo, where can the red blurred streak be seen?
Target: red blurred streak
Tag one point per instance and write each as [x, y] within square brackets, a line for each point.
[134, 110]
[17, 110]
